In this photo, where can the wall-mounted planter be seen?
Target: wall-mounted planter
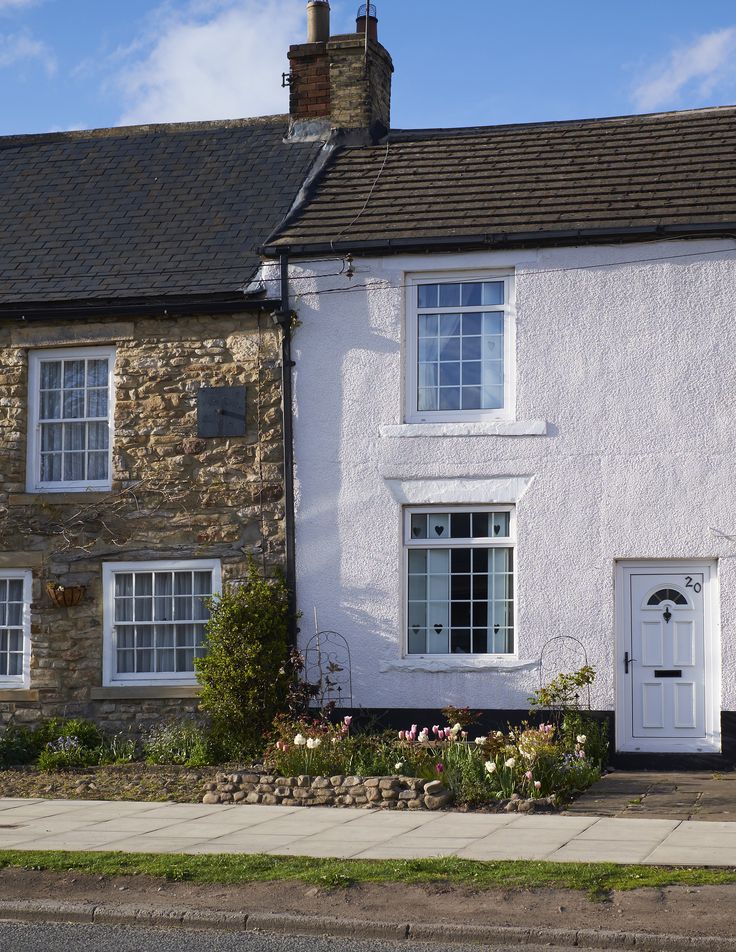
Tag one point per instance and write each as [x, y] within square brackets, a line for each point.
[65, 596]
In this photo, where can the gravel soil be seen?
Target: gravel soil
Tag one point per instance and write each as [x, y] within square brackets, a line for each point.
[117, 782]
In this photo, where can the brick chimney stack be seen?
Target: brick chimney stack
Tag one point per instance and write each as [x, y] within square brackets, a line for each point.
[340, 83]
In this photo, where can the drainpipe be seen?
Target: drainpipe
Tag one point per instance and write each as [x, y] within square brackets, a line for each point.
[283, 318]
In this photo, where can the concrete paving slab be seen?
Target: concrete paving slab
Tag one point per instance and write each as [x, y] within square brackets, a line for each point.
[602, 851]
[263, 844]
[486, 850]
[132, 824]
[148, 844]
[621, 828]
[319, 850]
[407, 852]
[681, 855]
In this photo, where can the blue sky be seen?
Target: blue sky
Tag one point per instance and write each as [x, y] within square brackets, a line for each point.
[87, 63]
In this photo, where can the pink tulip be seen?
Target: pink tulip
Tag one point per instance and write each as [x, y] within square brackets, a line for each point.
[413, 729]
[528, 775]
[401, 735]
[347, 720]
[436, 729]
[537, 784]
[439, 768]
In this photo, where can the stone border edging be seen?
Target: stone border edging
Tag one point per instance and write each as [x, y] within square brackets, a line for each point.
[41, 910]
[391, 792]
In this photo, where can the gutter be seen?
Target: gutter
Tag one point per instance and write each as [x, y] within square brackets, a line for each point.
[284, 317]
[484, 240]
[144, 307]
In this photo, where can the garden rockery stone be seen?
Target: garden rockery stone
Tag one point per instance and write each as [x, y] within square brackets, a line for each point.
[395, 793]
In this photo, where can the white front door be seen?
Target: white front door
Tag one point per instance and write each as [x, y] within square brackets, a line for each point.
[665, 685]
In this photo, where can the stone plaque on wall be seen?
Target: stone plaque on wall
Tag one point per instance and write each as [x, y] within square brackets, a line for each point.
[221, 412]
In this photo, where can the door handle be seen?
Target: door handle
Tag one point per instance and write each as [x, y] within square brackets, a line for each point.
[627, 662]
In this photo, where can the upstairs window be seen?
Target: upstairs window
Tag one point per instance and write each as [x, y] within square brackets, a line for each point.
[460, 581]
[460, 348]
[70, 439]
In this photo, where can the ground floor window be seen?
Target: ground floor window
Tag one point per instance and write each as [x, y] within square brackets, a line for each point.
[460, 580]
[155, 617]
[15, 613]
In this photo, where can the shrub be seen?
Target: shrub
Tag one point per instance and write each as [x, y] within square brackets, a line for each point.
[17, 746]
[244, 676]
[67, 753]
[88, 734]
[179, 742]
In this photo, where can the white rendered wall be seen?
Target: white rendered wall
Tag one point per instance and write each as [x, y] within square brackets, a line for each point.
[632, 366]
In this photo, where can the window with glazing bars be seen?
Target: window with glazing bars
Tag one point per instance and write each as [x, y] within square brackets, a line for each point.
[159, 620]
[460, 349]
[71, 437]
[460, 581]
[12, 628]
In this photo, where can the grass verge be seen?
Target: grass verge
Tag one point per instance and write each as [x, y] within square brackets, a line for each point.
[594, 878]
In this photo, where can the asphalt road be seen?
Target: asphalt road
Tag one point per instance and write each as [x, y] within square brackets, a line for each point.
[54, 937]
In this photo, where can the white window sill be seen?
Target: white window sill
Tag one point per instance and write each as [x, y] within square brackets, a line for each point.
[488, 428]
[453, 664]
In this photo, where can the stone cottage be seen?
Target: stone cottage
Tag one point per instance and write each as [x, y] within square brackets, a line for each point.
[141, 444]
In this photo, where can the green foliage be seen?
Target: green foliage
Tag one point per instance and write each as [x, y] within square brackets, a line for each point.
[576, 724]
[593, 878]
[17, 746]
[178, 742]
[244, 676]
[67, 753]
[564, 692]
[87, 733]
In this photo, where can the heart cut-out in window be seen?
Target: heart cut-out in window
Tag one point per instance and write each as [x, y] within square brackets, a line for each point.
[415, 628]
[438, 628]
[439, 530]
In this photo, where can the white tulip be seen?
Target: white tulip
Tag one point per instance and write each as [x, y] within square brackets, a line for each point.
[457, 728]
[300, 740]
[582, 738]
[398, 766]
[510, 762]
[313, 742]
[490, 766]
[480, 741]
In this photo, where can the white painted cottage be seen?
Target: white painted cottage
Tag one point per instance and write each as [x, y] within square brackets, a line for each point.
[515, 415]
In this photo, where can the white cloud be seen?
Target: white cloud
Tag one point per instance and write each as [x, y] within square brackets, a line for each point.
[698, 70]
[7, 5]
[217, 59]
[17, 48]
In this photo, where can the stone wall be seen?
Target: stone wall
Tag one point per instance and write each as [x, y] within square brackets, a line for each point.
[174, 496]
[395, 793]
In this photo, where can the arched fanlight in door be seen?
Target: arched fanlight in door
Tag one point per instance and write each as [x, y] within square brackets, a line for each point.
[667, 595]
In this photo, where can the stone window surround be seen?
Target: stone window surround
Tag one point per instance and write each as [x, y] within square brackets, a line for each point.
[32, 461]
[14, 684]
[111, 681]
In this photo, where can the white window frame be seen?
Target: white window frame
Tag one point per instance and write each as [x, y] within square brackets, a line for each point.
[33, 461]
[505, 543]
[508, 412]
[21, 681]
[110, 677]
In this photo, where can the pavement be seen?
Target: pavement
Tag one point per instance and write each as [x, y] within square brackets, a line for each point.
[359, 834]
[671, 795]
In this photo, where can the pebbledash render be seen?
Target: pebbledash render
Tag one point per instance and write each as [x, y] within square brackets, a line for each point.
[514, 419]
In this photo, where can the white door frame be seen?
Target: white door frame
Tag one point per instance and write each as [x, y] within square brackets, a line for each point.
[625, 741]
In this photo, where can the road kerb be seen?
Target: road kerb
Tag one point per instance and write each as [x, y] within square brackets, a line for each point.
[443, 933]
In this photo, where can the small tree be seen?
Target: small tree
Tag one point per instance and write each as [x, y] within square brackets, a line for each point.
[244, 674]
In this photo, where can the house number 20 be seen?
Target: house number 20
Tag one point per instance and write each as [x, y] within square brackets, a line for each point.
[695, 586]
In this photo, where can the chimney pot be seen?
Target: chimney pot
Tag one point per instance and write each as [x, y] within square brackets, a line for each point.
[318, 21]
[367, 15]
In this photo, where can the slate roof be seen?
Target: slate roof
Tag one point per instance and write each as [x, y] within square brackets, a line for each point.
[637, 175]
[152, 211]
